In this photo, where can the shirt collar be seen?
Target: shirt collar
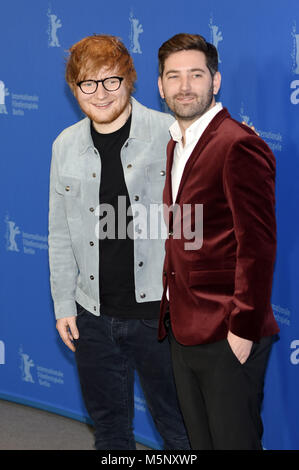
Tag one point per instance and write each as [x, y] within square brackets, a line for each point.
[197, 128]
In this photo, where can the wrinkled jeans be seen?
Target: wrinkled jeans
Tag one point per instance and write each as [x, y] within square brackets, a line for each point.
[108, 352]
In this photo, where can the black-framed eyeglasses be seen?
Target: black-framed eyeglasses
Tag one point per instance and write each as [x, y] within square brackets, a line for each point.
[90, 86]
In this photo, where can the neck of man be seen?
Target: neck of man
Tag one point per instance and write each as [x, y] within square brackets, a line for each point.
[185, 123]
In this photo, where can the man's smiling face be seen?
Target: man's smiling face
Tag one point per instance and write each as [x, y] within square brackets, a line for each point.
[187, 85]
[104, 107]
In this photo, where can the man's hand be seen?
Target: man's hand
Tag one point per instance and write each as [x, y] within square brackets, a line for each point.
[241, 347]
[67, 328]
[251, 127]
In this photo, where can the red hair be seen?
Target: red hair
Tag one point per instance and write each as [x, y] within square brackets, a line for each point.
[92, 53]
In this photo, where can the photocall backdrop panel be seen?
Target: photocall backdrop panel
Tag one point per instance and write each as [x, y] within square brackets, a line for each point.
[258, 45]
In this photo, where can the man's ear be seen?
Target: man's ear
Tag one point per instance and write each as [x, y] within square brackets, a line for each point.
[160, 87]
[216, 83]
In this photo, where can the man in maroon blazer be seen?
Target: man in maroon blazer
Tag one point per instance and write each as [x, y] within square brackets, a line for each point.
[216, 304]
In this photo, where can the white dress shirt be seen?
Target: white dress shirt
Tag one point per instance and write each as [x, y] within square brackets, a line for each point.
[183, 152]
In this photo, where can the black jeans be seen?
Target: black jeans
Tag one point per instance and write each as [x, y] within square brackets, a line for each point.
[108, 352]
[221, 398]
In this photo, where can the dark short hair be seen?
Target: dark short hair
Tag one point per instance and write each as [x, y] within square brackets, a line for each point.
[186, 42]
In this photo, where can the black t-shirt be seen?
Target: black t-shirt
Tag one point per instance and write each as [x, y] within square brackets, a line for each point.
[116, 267]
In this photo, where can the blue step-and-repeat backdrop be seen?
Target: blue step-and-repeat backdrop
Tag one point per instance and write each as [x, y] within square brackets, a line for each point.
[258, 44]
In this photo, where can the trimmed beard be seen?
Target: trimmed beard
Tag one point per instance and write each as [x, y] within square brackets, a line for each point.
[193, 111]
[109, 118]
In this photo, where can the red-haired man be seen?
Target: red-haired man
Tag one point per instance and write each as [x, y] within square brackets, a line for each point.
[105, 270]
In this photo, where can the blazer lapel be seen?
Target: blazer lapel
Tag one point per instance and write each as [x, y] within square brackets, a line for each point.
[201, 144]
[168, 185]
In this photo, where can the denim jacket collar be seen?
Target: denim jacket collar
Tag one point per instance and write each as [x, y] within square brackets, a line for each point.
[140, 128]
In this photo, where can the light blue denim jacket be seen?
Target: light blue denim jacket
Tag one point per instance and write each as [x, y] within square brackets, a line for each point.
[74, 199]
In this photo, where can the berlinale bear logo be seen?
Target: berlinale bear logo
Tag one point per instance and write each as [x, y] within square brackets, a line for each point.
[3, 93]
[136, 30]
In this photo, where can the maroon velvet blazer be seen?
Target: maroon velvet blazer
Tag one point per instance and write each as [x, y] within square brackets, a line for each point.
[226, 284]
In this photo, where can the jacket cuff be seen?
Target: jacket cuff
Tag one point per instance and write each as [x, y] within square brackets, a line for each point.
[66, 308]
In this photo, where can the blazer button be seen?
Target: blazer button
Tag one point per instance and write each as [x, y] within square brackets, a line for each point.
[67, 188]
[95, 308]
[91, 277]
[142, 295]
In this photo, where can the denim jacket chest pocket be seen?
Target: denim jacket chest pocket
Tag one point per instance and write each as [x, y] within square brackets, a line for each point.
[155, 176]
[70, 188]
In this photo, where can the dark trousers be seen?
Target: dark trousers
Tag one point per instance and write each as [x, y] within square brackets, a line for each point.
[108, 352]
[221, 398]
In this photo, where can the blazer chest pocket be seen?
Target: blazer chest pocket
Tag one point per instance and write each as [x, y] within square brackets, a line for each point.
[210, 278]
[70, 188]
[155, 178]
